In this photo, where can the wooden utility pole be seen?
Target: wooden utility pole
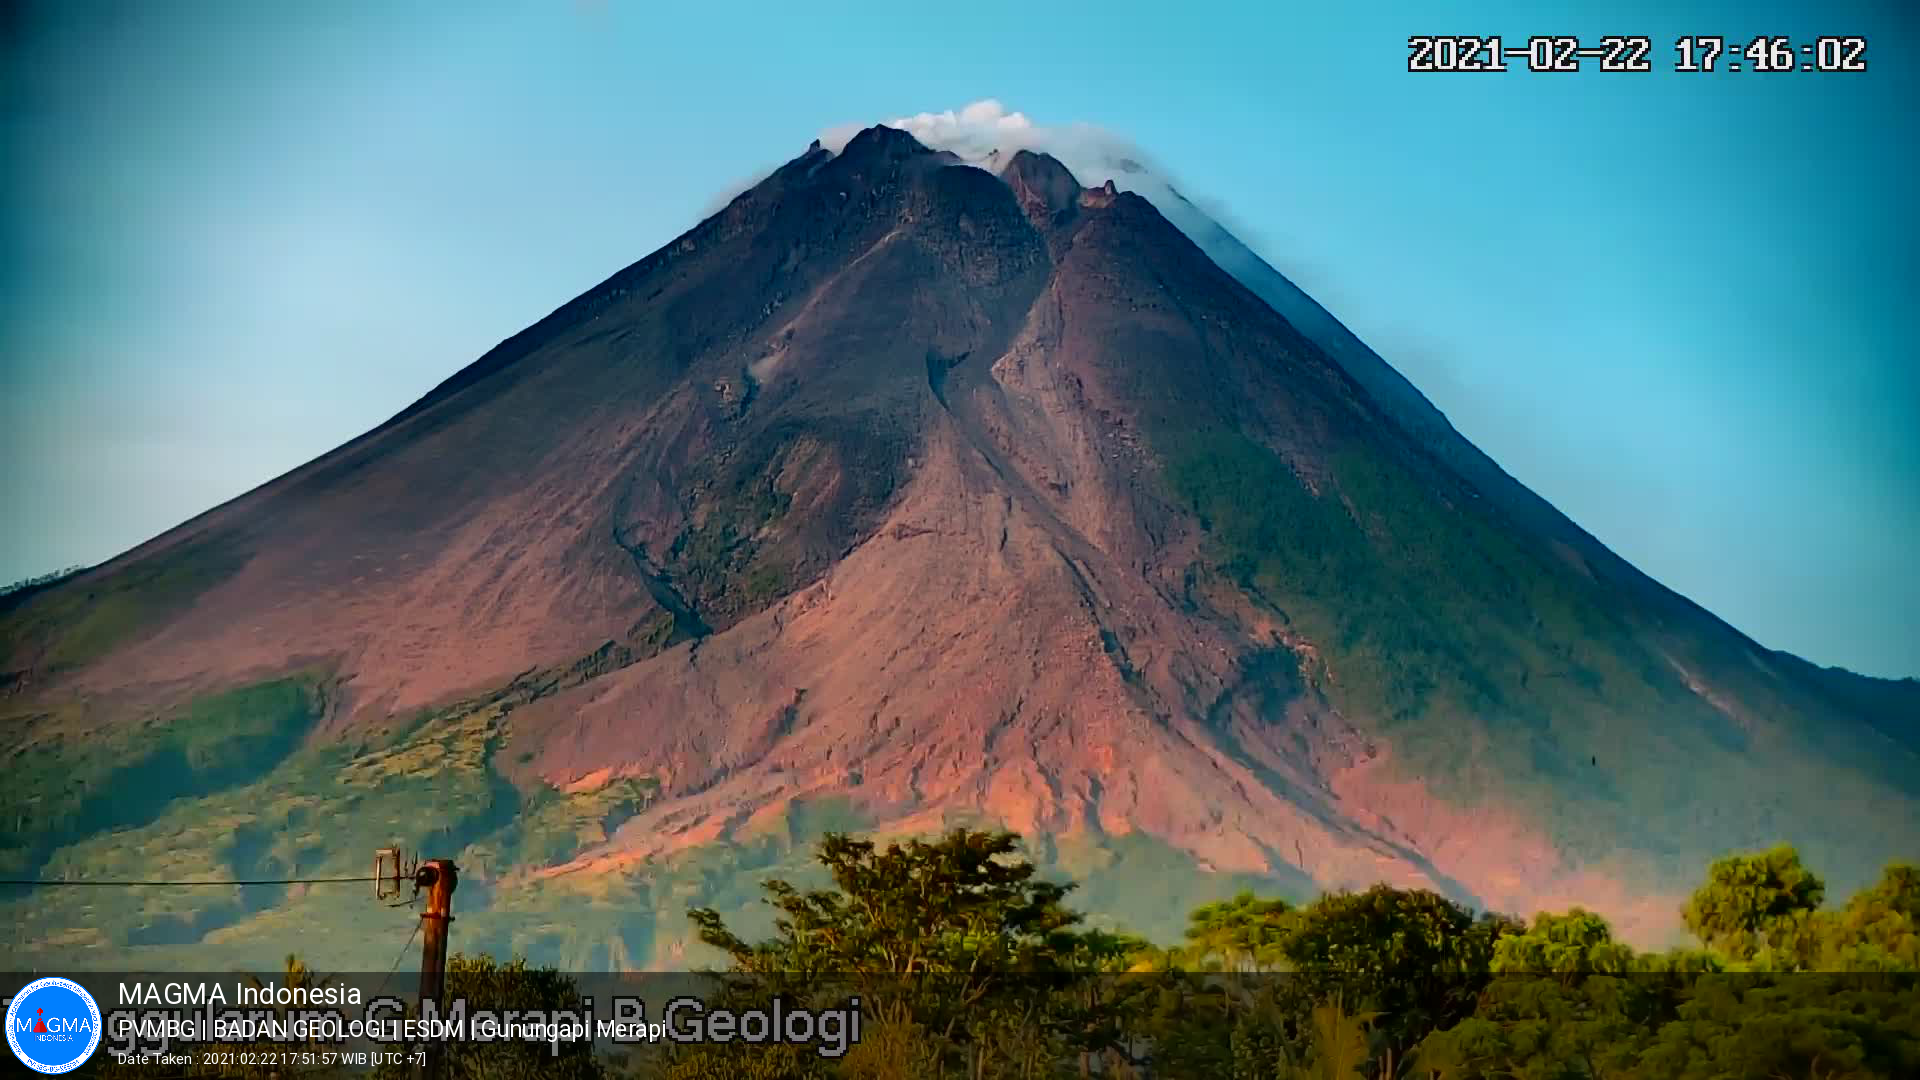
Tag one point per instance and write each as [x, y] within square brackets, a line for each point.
[437, 877]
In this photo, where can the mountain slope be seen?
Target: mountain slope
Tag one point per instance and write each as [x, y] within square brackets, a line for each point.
[926, 493]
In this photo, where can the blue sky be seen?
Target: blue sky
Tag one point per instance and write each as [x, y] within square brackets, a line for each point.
[234, 236]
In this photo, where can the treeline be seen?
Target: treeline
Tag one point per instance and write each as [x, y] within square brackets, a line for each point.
[43, 579]
[968, 964]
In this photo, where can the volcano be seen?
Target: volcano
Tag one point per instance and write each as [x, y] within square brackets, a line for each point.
[902, 492]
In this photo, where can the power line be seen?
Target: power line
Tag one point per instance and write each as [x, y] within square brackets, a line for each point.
[398, 956]
[57, 883]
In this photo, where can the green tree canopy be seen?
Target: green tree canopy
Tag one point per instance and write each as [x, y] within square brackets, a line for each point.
[1879, 930]
[964, 905]
[1752, 903]
[957, 940]
[1412, 956]
[1245, 933]
[1574, 943]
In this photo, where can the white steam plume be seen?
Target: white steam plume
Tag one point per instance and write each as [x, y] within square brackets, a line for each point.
[975, 132]
[987, 134]
[1092, 154]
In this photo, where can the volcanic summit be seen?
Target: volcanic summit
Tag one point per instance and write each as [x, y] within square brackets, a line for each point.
[932, 493]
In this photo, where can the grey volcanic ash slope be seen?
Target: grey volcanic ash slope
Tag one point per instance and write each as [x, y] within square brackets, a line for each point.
[949, 494]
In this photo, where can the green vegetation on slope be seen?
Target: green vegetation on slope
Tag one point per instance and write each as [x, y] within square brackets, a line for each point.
[1141, 883]
[1397, 585]
[64, 785]
[72, 624]
[222, 790]
[718, 556]
[435, 788]
[1494, 671]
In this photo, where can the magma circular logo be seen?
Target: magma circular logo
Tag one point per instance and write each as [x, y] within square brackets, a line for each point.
[53, 1025]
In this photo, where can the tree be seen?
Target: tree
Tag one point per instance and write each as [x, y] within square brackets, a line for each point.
[1879, 930]
[977, 969]
[1115, 992]
[1829, 1027]
[1755, 902]
[1242, 934]
[958, 939]
[1784, 990]
[1411, 956]
[1569, 945]
[948, 907]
